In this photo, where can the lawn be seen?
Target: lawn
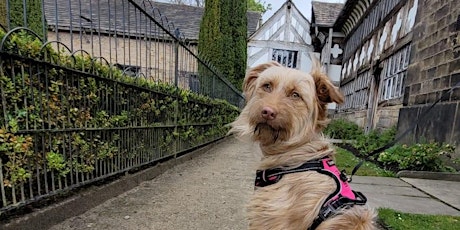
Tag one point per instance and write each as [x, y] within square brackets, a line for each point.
[395, 220]
[389, 218]
[346, 160]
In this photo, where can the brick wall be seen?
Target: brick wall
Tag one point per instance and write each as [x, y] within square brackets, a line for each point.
[433, 70]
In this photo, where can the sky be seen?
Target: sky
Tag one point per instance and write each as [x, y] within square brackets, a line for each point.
[304, 7]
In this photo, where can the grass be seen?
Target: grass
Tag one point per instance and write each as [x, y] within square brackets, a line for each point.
[346, 160]
[391, 219]
[395, 220]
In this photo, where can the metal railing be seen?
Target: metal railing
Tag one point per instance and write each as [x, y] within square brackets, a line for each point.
[101, 88]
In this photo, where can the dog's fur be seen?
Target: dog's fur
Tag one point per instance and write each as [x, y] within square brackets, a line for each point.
[296, 103]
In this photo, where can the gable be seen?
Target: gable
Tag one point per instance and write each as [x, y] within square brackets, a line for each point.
[286, 25]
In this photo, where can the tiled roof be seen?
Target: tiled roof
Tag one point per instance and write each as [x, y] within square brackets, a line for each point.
[122, 17]
[326, 13]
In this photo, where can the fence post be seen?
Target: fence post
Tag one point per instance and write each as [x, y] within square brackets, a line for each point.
[176, 63]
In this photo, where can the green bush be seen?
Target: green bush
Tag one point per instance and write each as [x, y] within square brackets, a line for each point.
[343, 129]
[366, 143]
[420, 156]
[424, 157]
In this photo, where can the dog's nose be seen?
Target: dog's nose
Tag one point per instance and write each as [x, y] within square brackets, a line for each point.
[268, 113]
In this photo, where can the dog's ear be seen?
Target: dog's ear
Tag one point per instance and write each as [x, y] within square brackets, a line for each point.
[327, 92]
[251, 76]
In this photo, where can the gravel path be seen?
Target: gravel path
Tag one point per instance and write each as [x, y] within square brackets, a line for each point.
[207, 192]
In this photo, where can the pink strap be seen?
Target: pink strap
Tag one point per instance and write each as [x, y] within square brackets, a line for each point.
[345, 189]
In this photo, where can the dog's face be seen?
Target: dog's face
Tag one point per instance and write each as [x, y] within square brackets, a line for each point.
[284, 104]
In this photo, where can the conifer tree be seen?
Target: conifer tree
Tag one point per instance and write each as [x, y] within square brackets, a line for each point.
[223, 37]
[32, 19]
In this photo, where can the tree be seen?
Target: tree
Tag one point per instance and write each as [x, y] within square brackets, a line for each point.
[223, 37]
[252, 5]
[258, 6]
[3, 13]
[32, 18]
[209, 43]
[240, 37]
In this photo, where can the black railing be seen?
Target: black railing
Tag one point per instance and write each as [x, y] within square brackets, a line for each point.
[82, 100]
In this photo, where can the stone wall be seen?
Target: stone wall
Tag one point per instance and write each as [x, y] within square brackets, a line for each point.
[434, 69]
[358, 117]
[386, 117]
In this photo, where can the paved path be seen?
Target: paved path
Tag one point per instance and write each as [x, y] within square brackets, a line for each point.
[207, 192]
[210, 192]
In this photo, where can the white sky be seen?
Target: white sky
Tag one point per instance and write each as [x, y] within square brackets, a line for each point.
[304, 7]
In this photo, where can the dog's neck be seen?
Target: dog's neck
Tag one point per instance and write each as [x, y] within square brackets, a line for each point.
[292, 155]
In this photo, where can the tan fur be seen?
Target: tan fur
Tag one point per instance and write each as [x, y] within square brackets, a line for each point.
[293, 136]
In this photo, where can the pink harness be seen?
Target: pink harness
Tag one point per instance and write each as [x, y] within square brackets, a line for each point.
[345, 189]
[343, 197]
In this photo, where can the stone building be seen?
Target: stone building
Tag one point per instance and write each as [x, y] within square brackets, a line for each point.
[140, 43]
[326, 41]
[434, 70]
[399, 57]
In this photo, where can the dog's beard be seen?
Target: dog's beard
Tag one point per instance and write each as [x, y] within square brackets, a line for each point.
[266, 134]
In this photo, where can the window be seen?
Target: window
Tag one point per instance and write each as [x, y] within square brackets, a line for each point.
[356, 92]
[394, 74]
[286, 58]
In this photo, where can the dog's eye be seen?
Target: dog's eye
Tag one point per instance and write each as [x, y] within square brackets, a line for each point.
[295, 95]
[267, 87]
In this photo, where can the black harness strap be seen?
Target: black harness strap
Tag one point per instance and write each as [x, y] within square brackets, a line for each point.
[271, 176]
[328, 210]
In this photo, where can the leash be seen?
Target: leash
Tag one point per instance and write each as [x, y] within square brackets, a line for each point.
[391, 143]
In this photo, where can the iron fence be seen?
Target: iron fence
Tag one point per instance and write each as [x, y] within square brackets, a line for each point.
[95, 89]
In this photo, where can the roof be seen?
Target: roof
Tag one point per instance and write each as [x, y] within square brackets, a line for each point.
[123, 17]
[188, 18]
[325, 13]
[344, 14]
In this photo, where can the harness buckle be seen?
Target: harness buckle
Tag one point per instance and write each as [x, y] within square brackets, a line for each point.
[267, 177]
[344, 177]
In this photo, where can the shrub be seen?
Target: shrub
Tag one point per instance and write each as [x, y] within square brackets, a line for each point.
[343, 129]
[424, 157]
[82, 95]
[366, 143]
[421, 156]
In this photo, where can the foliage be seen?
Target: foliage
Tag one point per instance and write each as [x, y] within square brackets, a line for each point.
[222, 39]
[238, 21]
[420, 156]
[257, 5]
[404, 221]
[374, 140]
[32, 18]
[77, 108]
[343, 129]
[347, 161]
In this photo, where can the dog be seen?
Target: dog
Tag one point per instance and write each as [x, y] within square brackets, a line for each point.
[297, 184]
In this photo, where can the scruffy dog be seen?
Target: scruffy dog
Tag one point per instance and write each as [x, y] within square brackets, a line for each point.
[297, 183]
